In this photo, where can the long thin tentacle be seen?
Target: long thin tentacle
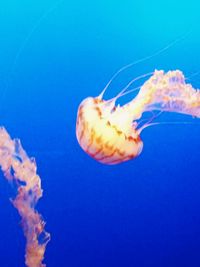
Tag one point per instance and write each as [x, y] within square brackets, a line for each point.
[149, 122]
[23, 45]
[31, 32]
[123, 91]
[142, 60]
[134, 80]
[164, 123]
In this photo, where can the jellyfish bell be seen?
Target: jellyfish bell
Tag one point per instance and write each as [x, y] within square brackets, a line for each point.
[106, 132]
[111, 134]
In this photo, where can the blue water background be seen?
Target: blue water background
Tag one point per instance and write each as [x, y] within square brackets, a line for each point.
[143, 213]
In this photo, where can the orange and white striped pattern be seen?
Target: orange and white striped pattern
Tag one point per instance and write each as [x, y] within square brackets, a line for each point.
[100, 138]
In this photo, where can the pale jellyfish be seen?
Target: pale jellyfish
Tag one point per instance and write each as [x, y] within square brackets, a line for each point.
[21, 170]
[111, 134]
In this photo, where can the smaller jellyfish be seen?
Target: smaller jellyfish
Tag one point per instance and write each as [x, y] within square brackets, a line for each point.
[21, 170]
[111, 134]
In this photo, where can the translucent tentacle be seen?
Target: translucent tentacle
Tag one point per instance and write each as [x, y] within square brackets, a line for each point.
[165, 123]
[124, 90]
[160, 51]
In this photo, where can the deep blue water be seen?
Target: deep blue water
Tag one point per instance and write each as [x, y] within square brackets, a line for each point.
[143, 213]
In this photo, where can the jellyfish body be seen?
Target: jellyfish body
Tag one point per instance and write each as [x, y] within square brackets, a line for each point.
[103, 136]
[111, 134]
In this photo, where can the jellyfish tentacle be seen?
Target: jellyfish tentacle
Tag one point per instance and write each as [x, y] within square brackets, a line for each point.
[126, 93]
[165, 123]
[157, 53]
[124, 90]
[147, 123]
[192, 75]
[23, 46]
[32, 31]
[113, 77]
[134, 80]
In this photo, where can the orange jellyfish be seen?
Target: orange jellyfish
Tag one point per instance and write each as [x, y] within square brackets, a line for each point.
[21, 170]
[111, 134]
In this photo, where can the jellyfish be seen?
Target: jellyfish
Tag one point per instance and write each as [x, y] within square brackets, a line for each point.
[110, 133]
[19, 169]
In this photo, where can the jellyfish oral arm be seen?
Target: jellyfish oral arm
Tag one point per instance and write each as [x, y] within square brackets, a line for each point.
[21, 170]
[167, 92]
